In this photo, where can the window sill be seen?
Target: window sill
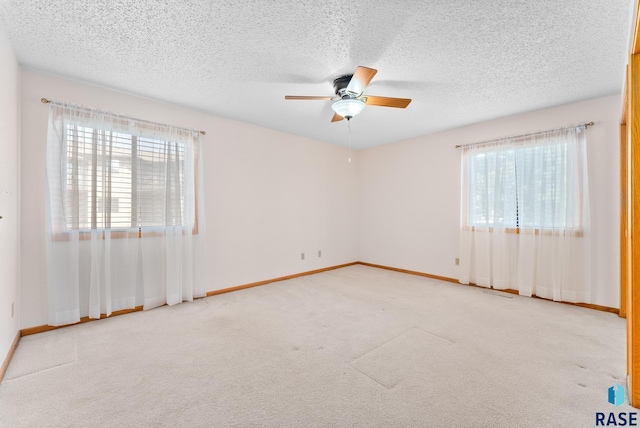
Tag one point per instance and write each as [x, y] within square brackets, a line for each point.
[85, 235]
[527, 231]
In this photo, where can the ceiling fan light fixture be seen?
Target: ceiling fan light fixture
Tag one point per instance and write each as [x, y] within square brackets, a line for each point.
[348, 107]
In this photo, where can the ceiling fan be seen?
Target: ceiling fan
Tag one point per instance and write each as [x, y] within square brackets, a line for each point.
[349, 100]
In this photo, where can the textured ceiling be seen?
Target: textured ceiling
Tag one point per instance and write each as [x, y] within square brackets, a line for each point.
[461, 61]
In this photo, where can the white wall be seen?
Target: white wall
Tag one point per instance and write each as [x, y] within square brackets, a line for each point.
[268, 195]
[409, 193]
[9, 194]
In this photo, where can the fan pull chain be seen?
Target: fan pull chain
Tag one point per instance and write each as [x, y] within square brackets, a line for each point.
[349, 126]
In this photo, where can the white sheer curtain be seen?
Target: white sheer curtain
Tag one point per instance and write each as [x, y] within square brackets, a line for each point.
[125, 214]
[525, 215]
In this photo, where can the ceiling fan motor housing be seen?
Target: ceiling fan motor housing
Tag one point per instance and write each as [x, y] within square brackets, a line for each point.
[340, 86]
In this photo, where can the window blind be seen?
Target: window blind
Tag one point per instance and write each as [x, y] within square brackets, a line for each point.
[119, 181]
[524, 186]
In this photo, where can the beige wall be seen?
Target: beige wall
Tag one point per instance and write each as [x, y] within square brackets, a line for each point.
[9, 195]
[268, 195]
[409, 193]
[272, 195]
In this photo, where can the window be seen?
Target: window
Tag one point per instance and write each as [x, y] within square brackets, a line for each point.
[519, 184]
[120, 181]
[524, 215]
[123, 202]
[118, 173]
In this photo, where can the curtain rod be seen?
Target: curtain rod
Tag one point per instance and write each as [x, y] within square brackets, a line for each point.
[586, 125]
[46, 101]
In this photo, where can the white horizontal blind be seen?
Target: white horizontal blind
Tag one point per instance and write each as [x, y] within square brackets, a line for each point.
[524, 185]
[122, 181]
[489, 204]
[547, 186]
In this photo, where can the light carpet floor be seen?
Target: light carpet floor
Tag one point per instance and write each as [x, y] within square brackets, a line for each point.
[352, 347]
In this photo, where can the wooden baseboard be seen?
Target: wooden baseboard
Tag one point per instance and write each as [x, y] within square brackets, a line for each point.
[590, 306]
[507, 290]
[411, 272]
[281, 278]
[43, 328]
[7, 360]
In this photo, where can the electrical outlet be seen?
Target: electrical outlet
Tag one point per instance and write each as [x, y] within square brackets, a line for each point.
[301, 256]
[319, 253]
[12, 306]
[457, 261]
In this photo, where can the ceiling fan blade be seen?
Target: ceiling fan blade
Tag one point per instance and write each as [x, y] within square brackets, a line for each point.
[336, 118]
[372, 100]
[304, 97]
[360, 79]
